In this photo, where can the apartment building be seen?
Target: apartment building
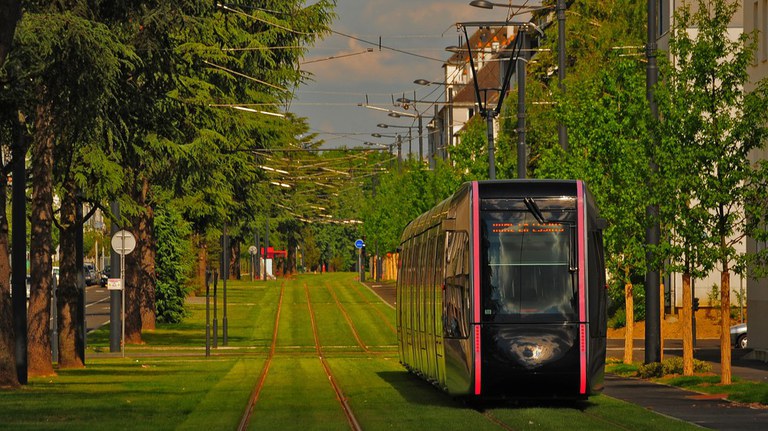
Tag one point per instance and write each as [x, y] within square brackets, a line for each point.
[755, 19]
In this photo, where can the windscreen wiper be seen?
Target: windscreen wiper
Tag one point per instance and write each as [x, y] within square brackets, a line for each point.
[534, 209]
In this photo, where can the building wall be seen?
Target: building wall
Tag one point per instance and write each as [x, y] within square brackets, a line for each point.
[755, 18]
[702, 287]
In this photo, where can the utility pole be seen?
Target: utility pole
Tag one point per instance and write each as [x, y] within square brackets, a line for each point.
[225, 276]
[652, 312]
[115, 296]
[562, 132]
[521, 150]
[19, 255]
[79, 251]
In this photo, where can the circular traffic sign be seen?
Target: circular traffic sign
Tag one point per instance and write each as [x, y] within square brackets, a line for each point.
[123, 242]
[359, 243]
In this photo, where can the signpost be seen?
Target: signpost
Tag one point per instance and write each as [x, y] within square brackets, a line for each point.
[359, 244]
[123, 242]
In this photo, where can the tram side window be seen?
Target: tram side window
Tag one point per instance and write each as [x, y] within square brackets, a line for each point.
[456, 301]
[597, 293]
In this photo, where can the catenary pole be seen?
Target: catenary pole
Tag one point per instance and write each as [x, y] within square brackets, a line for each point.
[652, 297]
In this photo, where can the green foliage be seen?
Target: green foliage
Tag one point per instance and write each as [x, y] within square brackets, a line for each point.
[606, 115]
[173, 264]
[653, 369]
[92, 238]
[709, 128]
[673, 365]
[618, 320]
[402, 196]
[470, 155]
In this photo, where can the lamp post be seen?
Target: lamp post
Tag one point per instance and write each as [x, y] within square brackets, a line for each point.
[398, 142]
[410, 135]
[448, 123]
[405, 101]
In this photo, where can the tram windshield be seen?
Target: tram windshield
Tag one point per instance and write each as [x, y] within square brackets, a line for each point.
[528, 258]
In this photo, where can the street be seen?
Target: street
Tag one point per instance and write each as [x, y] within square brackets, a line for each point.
[96, 307]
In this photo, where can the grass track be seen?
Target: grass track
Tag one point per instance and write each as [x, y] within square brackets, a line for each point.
[167, 391]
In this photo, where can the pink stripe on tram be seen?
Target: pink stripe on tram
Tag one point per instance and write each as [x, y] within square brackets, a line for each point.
[581, 232]
[475, 199]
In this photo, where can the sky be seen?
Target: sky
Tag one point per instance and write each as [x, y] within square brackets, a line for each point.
[422, 29]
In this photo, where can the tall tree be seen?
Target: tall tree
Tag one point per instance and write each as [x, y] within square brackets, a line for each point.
[8, 373]
[609, 156]
[69, 65]
[606, 92]
[720, 125]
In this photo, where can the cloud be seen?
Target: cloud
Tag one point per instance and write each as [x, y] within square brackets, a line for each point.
[419, 27]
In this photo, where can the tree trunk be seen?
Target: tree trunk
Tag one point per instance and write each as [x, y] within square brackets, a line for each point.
[234, 259]
[147, 250]
[8, 377]
[687, 325]
[68, 289]
[202, 259]
[40, 248]
[133, 295]
[290, 264]
[725, 325]
[630, 326]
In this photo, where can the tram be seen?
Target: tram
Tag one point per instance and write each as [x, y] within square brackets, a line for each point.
[501, 292]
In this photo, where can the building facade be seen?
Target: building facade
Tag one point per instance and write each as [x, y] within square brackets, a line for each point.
[755, 19]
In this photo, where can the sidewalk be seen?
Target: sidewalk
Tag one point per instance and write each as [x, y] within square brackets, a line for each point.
[710, 411]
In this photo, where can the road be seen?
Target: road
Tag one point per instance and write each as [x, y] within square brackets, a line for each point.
[96, 307]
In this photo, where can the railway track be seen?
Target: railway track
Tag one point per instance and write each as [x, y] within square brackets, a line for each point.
[254, 398]
[347, 318]
[351, 419]
[372, 306]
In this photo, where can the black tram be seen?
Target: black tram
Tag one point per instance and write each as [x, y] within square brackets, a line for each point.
[501, 291]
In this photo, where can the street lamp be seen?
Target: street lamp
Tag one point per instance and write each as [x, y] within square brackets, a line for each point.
[489, 5]
[398, 142]
[410, 135]
[422, 81]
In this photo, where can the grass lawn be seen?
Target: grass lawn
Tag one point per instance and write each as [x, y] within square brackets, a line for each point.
[168, 383]
[134, 393]
[739, 390]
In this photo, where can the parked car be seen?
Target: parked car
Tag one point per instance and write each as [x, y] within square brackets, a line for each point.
[90, 275]
[739, 336]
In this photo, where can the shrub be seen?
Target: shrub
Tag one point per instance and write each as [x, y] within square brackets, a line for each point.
[619, 319]
[673, 365]
[172, 265]
[654, 369]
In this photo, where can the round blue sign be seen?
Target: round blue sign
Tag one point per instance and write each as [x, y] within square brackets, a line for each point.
[359, 243]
